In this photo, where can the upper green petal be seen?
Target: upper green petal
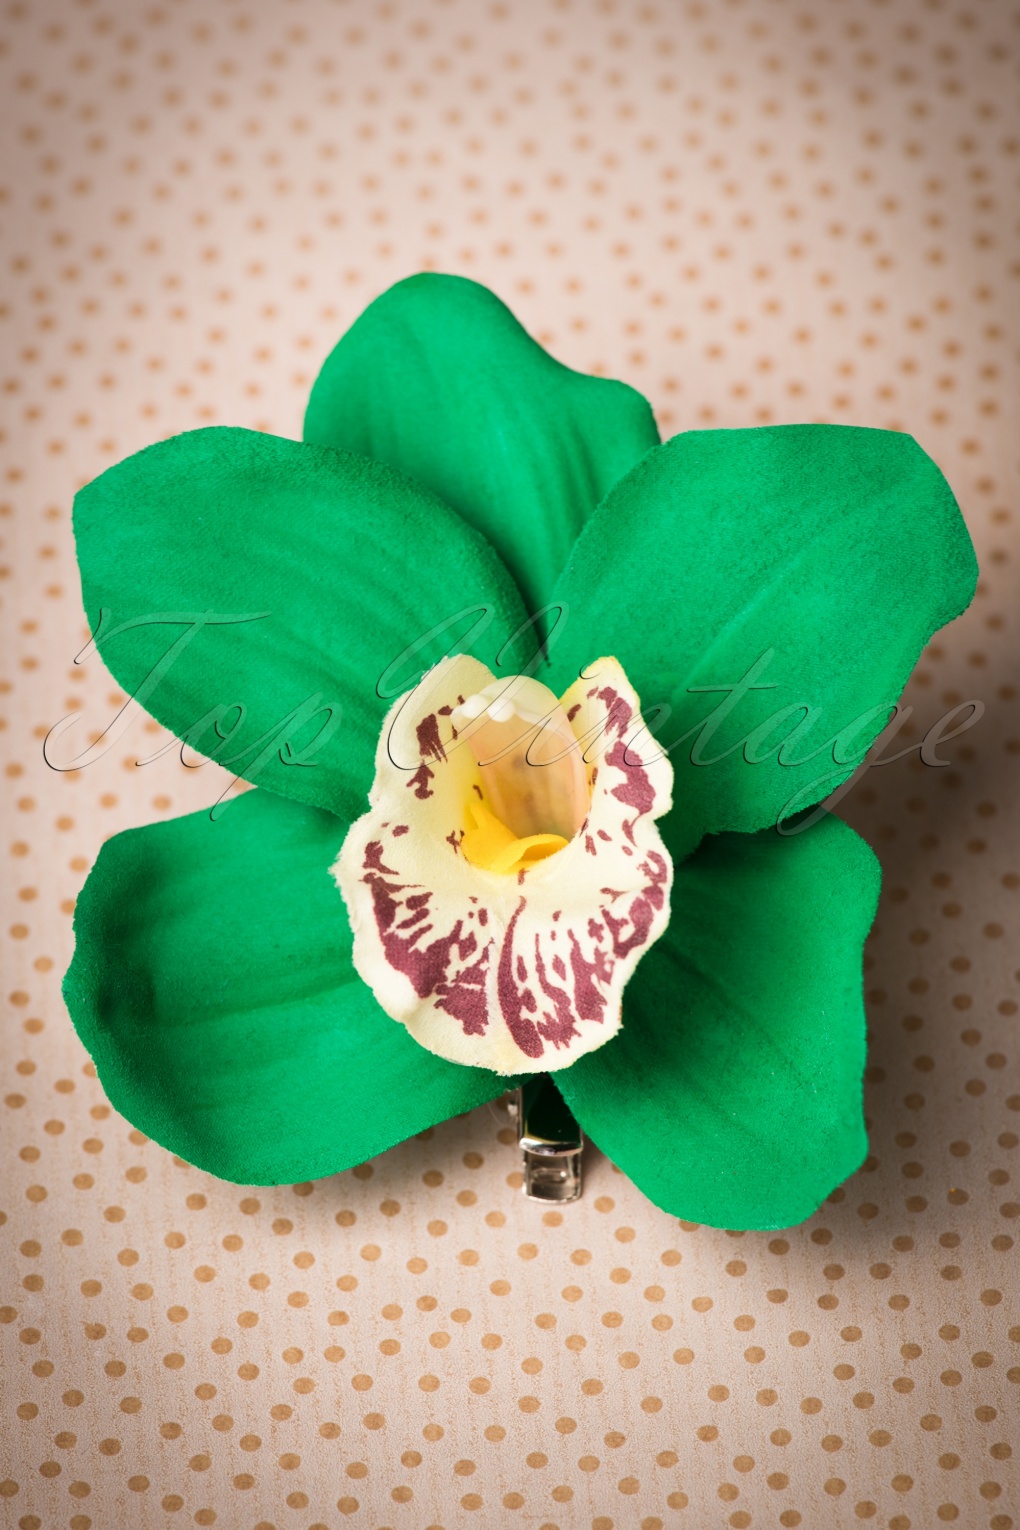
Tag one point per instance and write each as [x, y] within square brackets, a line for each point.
[281, 579]
[212, 984]
[733, 1094]
[811, 561]
[438, 378]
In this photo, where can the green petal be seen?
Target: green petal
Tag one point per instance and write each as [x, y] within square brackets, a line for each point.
[438, 378]
[814, 560]
[275, 582]
[212, 983]
[732, 1095]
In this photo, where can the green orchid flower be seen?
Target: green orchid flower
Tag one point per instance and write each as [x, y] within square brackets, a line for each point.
[478, 561]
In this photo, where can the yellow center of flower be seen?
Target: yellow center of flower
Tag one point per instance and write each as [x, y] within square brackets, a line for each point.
[488, 843]
[533, 794]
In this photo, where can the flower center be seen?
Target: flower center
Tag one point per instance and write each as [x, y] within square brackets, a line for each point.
[533, 793]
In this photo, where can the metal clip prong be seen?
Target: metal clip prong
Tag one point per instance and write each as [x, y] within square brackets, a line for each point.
[550, 1140]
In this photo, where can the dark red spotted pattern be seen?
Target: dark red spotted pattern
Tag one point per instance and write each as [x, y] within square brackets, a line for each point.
[427, 963]
[543, 977]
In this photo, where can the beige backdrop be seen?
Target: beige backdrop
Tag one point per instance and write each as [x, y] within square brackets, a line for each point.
[757, 210]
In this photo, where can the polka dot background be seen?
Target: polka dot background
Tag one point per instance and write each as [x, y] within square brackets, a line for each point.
[754, 210]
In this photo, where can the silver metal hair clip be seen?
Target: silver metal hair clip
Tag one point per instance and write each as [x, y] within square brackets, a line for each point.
[550, 1140]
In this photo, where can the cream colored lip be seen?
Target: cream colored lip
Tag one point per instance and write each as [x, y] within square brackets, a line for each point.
[518, 973]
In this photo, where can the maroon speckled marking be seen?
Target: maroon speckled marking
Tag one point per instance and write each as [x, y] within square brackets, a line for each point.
[464, 998]
[635, 790]
[559, 1026]
[426, 966]
[514, 1000]
[618, 711]
[420, 781]
[419, 906]
[374, 859]
[573, 711]
[588, 1001]
[643, 909]
[579, 994]
[430, 745]
[401, 828]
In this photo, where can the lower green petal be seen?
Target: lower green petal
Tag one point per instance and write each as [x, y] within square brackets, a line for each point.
[212, 984]
[733, 1094]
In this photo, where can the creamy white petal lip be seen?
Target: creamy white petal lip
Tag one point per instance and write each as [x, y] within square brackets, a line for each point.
[523, 970]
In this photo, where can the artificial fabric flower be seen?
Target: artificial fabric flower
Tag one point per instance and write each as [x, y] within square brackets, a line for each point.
[406, 915]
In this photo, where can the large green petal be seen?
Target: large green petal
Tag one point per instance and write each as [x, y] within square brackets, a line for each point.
[336, 565]
[732, 1095]
[814, 560]
[438, 378]
[212, 983]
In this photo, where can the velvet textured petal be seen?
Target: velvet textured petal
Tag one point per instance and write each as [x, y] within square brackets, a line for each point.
[212, 984]
[733, 1093]
[251, 592]
[773, 588]
[439, 379]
